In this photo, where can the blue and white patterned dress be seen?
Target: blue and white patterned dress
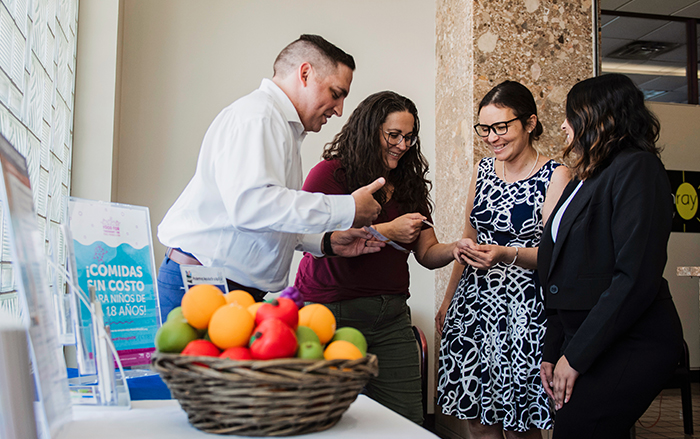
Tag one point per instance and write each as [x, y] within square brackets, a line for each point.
[494, 329]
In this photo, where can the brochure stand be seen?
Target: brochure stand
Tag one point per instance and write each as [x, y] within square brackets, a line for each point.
[102, 387]
[52, 407]
[97, 383]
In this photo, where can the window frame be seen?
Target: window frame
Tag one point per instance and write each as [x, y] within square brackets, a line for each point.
[691, 26]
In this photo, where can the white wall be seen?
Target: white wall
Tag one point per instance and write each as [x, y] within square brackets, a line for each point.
[95, 144]
[680, 134]
[184, 60]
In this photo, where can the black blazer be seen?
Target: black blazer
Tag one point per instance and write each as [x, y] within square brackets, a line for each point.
[609, 256]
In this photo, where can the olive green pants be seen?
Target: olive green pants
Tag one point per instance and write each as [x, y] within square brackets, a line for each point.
[385, 322]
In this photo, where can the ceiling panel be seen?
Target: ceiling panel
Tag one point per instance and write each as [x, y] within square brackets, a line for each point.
[665, 7]
[674, 96]
[672, 32]
[665, 83]
[630, 28]
[691, 11]
[604, 19]
[678, 56]
[607, 45]
[640, 79]
[612, 4]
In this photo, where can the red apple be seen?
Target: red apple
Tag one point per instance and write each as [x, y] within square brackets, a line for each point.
[282, 308]
[201, 348]
[237, 353]
[273, 338]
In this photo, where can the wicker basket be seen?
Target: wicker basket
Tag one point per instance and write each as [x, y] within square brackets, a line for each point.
[281, 397]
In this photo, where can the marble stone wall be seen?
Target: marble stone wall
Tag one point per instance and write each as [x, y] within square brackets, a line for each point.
[545, 44]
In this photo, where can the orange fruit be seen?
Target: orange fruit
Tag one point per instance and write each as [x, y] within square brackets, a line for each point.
[352, 335]
[231, 325]
[240, 297]
[199, 303]
[341, 349]
[320, 319]
[252, 309]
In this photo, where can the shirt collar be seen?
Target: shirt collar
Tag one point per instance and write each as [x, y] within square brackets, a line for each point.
[285, 104]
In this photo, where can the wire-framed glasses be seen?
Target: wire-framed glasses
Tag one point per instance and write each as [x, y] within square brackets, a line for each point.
[498, 128]
[393, 138]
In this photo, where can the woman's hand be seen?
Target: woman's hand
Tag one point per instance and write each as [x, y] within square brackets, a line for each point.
[405, 229]
[484, 256]
[546, 375]
[564, 377]
[440, 316]
[460, 250]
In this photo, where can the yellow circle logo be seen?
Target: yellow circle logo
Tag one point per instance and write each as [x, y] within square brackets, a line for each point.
[686, 201]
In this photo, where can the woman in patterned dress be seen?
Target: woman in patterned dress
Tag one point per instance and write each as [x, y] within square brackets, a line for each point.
[492, 319]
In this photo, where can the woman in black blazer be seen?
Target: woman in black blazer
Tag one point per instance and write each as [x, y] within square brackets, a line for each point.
[613, 334]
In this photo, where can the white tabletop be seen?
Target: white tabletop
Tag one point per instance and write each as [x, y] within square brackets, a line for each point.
[164, 419]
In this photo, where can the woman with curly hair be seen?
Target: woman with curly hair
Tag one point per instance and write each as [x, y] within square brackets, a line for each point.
[613, 334]
[369, 292]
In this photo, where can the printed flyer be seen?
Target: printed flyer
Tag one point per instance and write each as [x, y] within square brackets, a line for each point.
[114, 252]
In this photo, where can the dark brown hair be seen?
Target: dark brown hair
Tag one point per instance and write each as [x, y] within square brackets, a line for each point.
[358, 147]
[314, 49]
[517, 97]
[607, 115]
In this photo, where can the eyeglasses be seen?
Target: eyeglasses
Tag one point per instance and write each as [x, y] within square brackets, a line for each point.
[393, 139]
[499, 128]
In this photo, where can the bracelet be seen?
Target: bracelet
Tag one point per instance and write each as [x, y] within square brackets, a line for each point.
[515, 258]
[327, 248]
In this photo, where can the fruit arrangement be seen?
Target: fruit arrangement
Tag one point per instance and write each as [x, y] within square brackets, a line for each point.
[234, 326]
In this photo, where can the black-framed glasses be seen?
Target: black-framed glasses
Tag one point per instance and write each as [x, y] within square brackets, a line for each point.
[499, 128]
[393, 138]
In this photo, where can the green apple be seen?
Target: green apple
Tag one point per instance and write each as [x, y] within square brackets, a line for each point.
[310, 350]
[304, 333]
[175, 314]
[352, 335]
[174, 335]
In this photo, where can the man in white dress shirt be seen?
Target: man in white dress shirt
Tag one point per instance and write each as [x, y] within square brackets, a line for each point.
[243, 210]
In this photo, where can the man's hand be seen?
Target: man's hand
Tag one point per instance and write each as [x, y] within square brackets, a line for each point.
[367, 209]
[354, 242]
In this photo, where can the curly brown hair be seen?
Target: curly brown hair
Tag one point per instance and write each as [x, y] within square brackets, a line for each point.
[358, 148]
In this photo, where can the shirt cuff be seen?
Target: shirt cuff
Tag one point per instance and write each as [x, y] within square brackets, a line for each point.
[311, 244]
[342, 212]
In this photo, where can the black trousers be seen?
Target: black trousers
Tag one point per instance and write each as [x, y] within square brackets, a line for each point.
[619, 387]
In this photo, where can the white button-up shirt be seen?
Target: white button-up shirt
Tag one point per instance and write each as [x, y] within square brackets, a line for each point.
[244, 209]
